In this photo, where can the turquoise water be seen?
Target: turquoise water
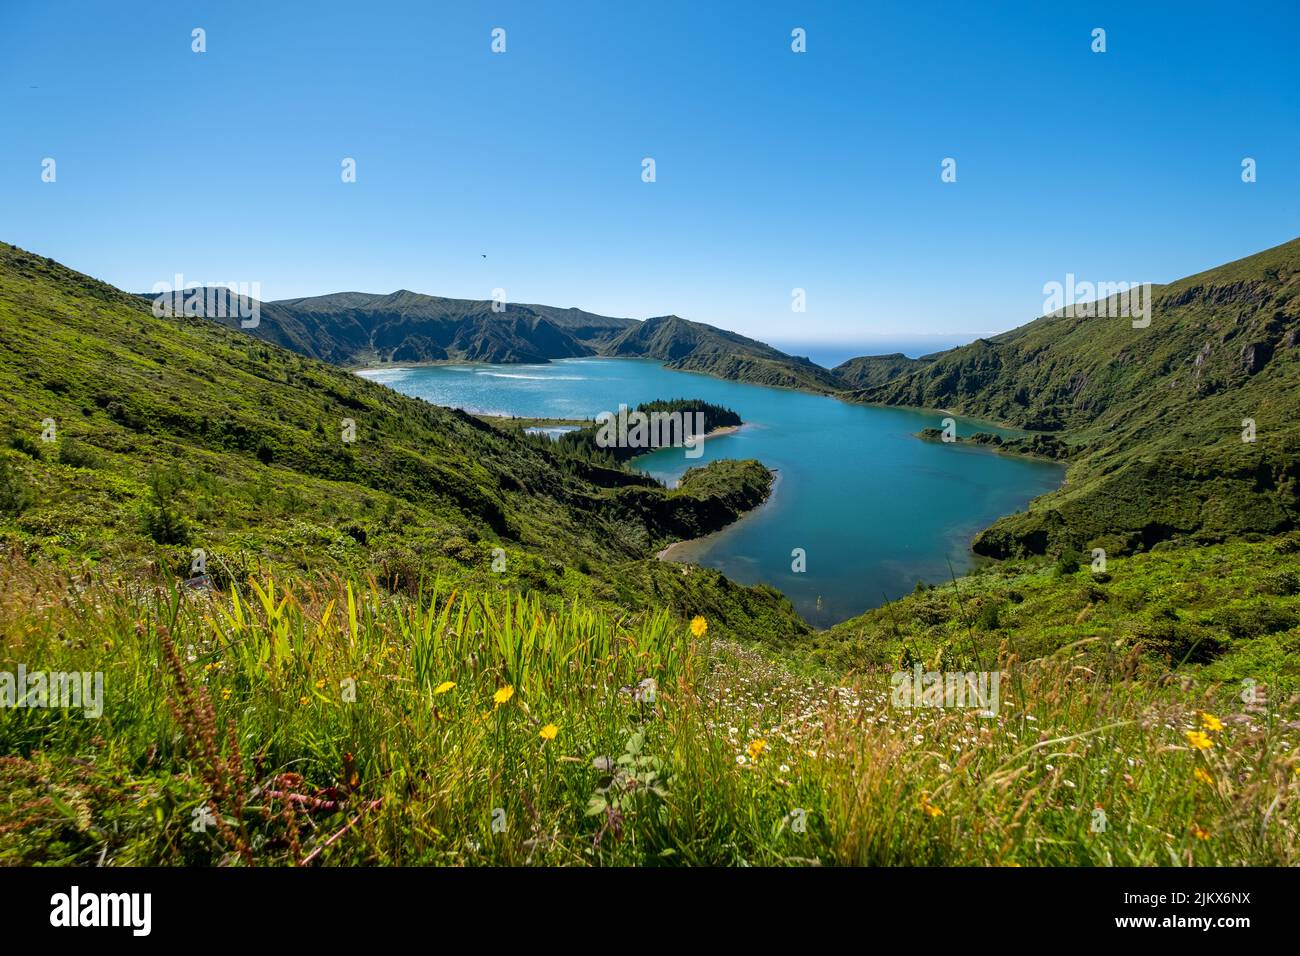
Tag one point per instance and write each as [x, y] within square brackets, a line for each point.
[873, 508]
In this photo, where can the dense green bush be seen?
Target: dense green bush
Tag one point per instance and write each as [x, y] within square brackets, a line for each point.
[15, 496]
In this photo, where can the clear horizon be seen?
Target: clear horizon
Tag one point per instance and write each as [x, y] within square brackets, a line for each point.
[522, 170]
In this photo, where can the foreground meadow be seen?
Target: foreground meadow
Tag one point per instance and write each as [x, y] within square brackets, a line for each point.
[328, 722]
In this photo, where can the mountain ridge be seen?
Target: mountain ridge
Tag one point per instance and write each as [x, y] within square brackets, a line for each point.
[864, 371]
[1163, 407]
[359, 329]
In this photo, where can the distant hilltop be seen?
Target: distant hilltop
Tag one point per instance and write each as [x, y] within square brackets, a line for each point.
[357, 328]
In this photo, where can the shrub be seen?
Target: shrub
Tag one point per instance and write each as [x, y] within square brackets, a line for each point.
[932, 610]
[1289, 543]
[15, 496]
[1283, 582]
[1245, 620]
[460, 550]
[400, 569]
[24, 444]
[1091, 594]
[77, 455]
[162, 521]
[1068, 562]
[989, 618]
[1178, 641]
[356, 531]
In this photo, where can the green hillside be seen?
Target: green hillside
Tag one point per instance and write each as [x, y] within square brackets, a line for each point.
[355, 328]
[1228, 612]
[175, 434]
[1154, 416]
[591, 330]
[696, 347]
[324, 722]
[867, 371]
[352, 683]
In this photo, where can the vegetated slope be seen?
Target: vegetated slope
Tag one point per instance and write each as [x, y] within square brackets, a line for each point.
[174, 434]
[1228, 612]
[696, 347]
[1154, 416]
[1035, 445]
[591, 330]
[867, 371]
[352, 328]
[356, 328]
[326, 722]
[665, 425]
[402, 732]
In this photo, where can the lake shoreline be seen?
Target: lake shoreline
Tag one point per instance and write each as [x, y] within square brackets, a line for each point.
[850, 490]
[841, 396]
[716, 433]
[668, 553]
[523, 422]
[357, 368]
[1008, 426]
[994, 448]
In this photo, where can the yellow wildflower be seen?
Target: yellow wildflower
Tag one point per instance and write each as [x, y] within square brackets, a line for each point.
[756, 748]
[699, 626]
[503, 695]
[548, 732]
[1200, 832]
[1203, 775]
[320, 684]
[225, 694]
[1199, 739]
[444, 687]
[929, 808]
[304, 700]
[1210, 722]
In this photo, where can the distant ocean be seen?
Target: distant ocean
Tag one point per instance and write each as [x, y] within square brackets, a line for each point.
[831, 354]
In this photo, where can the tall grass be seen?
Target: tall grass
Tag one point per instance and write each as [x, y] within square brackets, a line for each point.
[326, 721]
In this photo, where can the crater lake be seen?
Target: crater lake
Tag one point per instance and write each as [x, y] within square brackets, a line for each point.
[873, 508]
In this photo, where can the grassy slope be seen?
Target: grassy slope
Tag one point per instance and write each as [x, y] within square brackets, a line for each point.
[1153, 415]
[236, 700]
[351, 328]
[331, 724]
[175, 434]
[868, 371]
[696, 347]
[1225, 612]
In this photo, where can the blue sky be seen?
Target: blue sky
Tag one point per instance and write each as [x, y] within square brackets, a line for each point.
[775, 170]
